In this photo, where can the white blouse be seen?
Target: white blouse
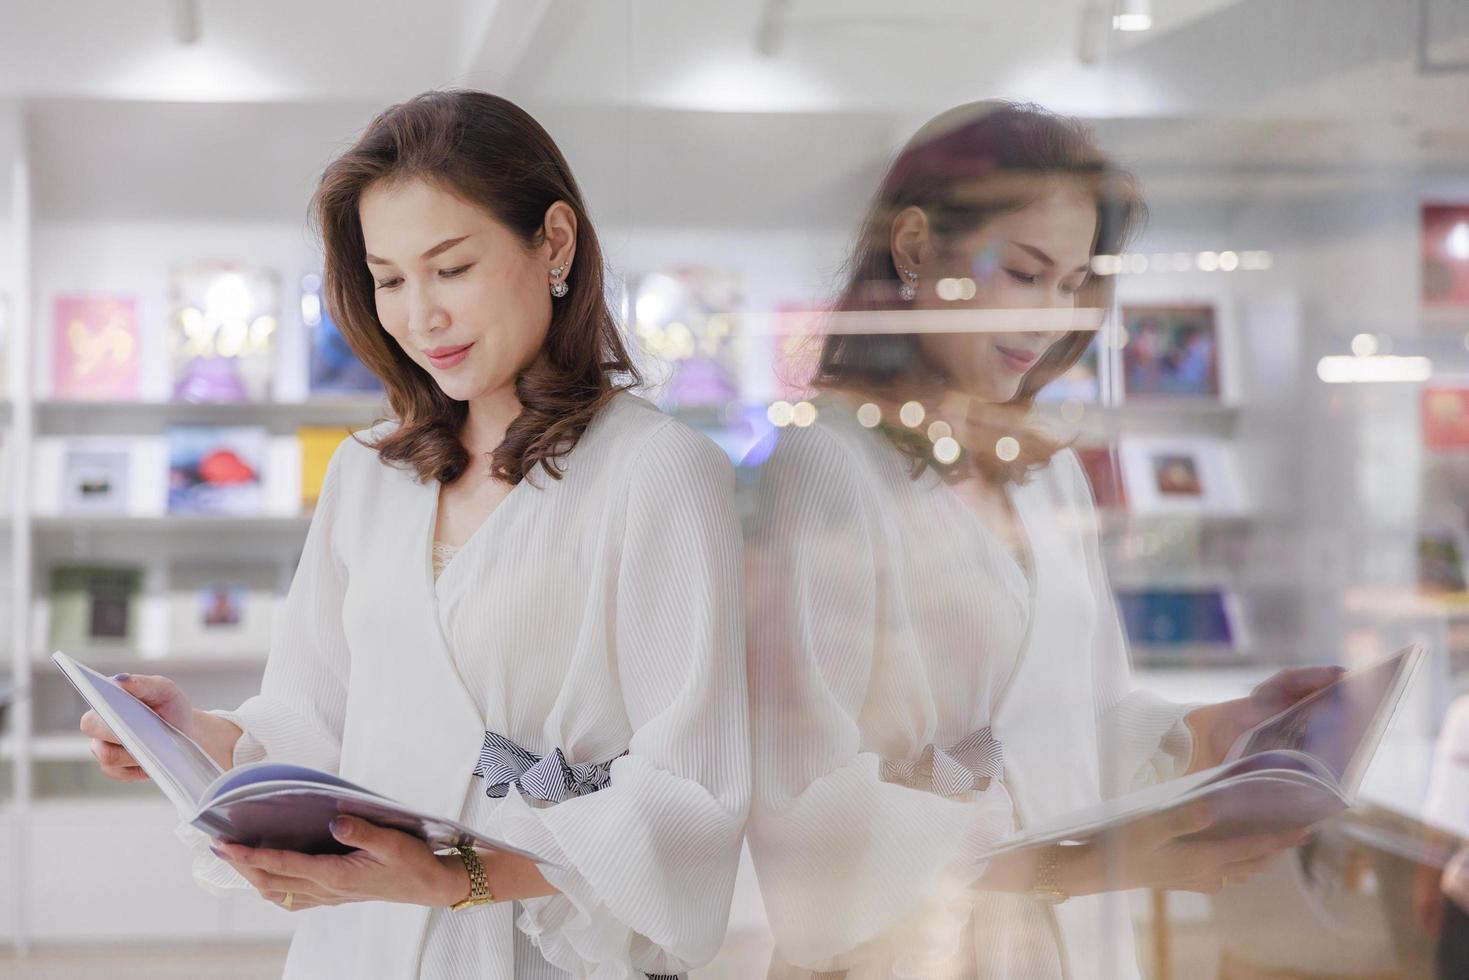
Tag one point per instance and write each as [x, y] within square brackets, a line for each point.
[600, 614]
[888, 622]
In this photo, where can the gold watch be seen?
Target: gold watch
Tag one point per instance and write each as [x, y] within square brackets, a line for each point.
[479, 885]
[1046, 888]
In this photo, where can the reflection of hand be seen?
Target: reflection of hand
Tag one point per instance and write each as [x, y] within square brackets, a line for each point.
[1215, 727]
[388, 866]
[158, 693]
[1455, 880]
[1428, 899]
[1154, 853]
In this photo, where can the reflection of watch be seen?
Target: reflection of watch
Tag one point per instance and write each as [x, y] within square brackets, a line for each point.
[1046, 888]
[479, 885]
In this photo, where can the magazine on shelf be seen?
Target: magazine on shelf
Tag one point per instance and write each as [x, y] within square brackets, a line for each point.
[1291, 771]
[263, 804]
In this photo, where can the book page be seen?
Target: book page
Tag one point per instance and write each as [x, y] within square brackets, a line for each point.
[173, 760]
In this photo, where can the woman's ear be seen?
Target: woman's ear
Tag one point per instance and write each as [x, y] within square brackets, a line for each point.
[559, 237]
[910, 239]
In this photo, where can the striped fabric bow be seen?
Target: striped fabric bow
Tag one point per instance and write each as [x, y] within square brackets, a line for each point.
[967, 765]
[545, 777]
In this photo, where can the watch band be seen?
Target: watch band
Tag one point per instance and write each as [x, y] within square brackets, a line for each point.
[1047, 886]
[479, 884]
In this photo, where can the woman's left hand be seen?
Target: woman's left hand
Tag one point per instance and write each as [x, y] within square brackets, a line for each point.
[1216, 726]
[388, 866]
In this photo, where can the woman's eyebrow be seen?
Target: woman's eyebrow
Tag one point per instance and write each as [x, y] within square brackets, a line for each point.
[1043, 257]
[442, 246]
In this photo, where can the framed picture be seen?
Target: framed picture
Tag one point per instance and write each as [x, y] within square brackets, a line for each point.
[1172, 351]
[1441, 562]
[221, 608]
[1180, 474]
[1105, 476]
[95, 478]
[94, 607]
[222, 337]
[334, 368]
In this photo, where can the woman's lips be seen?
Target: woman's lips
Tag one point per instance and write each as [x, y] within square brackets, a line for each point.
[1018, 361]
[447, 357]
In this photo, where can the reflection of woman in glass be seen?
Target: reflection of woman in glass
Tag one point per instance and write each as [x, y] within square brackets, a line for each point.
[936, 660]
[519, 602]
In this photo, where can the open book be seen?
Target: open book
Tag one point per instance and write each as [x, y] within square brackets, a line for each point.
[1290, 771]
[264, 804]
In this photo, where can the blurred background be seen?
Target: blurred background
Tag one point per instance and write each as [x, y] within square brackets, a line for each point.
[1276, 422]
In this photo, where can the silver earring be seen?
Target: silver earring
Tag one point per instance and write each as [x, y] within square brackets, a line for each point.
[908, 292]
[558, 288]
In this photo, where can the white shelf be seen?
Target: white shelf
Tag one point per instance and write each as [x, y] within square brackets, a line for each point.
[136, 416]
[50, 748]
[76, 523]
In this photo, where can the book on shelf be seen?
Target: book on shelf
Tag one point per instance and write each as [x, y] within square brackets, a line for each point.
[1444, 417]
[1172, 351]
[216, 470]
[1180, 618]
[95, 476]
[318, 443]
[220, 608]
[263, 804]
[1104, 474]
[95, 606]
[1441, 562]
[1181, 475]
[223, 333]
[1291, 771]
[95, 347]
[334, 370]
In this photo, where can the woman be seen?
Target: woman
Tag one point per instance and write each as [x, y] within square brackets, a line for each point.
[518, 605]
[935, 657]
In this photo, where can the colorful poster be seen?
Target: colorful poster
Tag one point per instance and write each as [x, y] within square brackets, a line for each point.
[94, 351]
[215, 470]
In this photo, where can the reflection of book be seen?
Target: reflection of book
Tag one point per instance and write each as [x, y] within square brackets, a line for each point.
[1444, 413]
[1290, 771]
[318, 443]
[1171, 474]
[215, 470]
[94, 349]
[264, 804]
[222, 338]
[221, 609]
[1386, 829]
[1177, 617]
[94, 606]
[1440, 563]
[1172, 350]
[1104, 475]
[94, 480]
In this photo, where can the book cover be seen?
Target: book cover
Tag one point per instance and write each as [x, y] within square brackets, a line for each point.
[333, 367]
[222, 337]
[1441, 563]
[95, 606]
[1445, 255]
[219, 608]
[215, 470]
[94, 480]
[94, 347]
[318, 443]
[1176, 617]
[1172, 351]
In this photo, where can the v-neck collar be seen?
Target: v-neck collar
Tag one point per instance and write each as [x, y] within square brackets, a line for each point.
[435, 497]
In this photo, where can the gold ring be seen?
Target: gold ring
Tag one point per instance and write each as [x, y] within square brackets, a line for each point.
[286, 902]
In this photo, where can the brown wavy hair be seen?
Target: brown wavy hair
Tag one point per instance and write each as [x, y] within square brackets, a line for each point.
[965, 167]
[489, 152]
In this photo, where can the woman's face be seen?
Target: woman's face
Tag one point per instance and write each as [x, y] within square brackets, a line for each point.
[1031, 259]
[460, 292]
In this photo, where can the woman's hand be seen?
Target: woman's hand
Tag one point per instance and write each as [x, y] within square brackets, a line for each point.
[1215, 727]
[158, 693]
[388, 866]
[1157, 853]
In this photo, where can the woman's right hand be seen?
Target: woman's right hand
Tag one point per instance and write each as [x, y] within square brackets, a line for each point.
[1157, 852]
[158, 693]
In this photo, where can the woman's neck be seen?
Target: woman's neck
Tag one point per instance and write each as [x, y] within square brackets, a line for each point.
[490, 415]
